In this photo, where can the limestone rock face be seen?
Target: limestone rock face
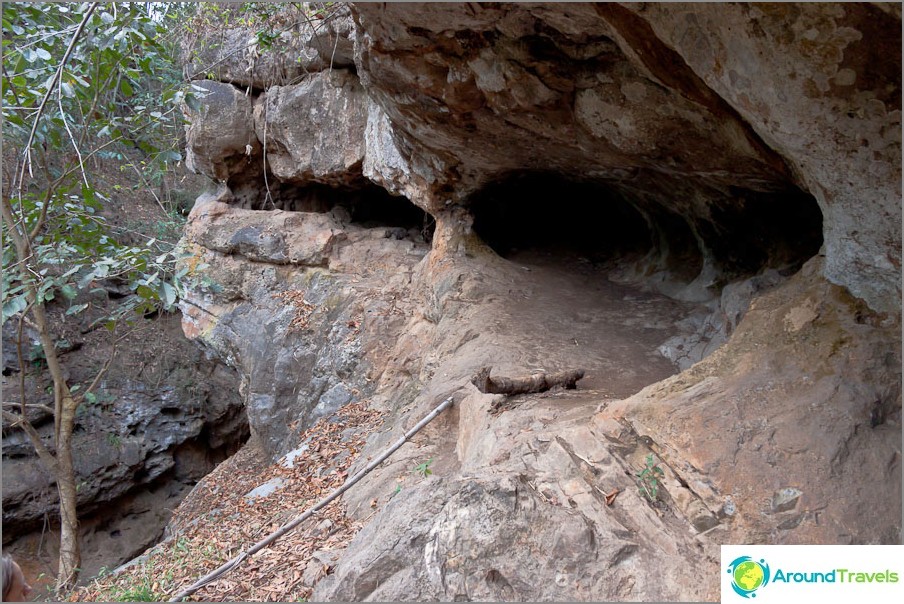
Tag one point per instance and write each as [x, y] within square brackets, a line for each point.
[314, 131]
[700, 206]
[135, 434]
[668, 100]
[277, 51]
[286, 298]
[822, 85]
[221, 138]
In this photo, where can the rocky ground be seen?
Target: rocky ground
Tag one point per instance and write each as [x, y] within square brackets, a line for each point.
[522, 315]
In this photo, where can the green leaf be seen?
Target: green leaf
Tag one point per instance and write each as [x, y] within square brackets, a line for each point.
[74, 310]
[169, 294]
[91, 398]
[193, 103]
[146, 292]
[68, 292]
[14, 306]
[126, 88]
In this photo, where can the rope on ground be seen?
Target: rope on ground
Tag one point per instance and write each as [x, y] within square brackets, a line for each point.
[233, 563]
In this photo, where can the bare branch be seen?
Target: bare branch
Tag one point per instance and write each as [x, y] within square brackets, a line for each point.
[103, 369]
[17, 421]
[78, 152]
[53, 83]
[39, 406]
[21, 356]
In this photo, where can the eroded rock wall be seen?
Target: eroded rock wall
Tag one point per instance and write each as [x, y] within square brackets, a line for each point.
[156, 406]
[758, 150]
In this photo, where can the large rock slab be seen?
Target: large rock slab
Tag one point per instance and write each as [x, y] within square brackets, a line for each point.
[297, 303]
[271, 47]
[821, 83]
[314, 131]
[804, 398]
[139, 430]
[220, 137]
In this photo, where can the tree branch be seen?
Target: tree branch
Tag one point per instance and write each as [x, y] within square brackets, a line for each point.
[43, 408]
[537, 382]
[53, 83]
[17, 421]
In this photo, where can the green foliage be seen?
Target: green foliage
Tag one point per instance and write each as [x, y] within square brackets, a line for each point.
[424, 468]
[648, 479]
[141, 592]
[118, 96]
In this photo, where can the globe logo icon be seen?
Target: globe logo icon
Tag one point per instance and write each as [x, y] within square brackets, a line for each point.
[748, 575]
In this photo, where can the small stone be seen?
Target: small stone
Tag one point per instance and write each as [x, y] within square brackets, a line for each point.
[268, 488]
[785, 499]
[729, 508]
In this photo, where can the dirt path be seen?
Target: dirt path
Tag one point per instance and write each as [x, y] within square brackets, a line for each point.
[561, 312]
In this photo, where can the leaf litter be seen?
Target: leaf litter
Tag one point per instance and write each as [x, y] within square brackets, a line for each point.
[216, 522]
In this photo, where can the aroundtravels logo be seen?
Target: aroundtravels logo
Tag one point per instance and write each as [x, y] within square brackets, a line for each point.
[811, 573]
[748, 575]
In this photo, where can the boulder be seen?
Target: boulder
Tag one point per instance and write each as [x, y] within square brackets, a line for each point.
[135, 433]
[220, 138]
[821, 84]
[314, 131]
[273, 50]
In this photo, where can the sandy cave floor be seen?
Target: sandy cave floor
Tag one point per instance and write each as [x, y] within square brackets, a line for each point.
[563, 312]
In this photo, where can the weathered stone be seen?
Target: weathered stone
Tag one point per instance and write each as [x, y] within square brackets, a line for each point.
[314, 131]
[278, 237]
[133, 435]
[265, 490]
[493, 118]
[291, 357]
[331, 401]
[785, 499]
[777, 405]
[821, 83]
[220, 136]
[299, 41]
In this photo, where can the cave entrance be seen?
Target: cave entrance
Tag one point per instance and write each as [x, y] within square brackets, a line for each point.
[365, 205]
[737, 233]
[537, 215]
[627, 283]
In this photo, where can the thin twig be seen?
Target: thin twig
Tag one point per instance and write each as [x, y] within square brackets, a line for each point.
[268, 196]
[44, 408]
[78, 152]
[17, 421]
[53, 83]
[147, 186]
[234, 562]
[22, 356]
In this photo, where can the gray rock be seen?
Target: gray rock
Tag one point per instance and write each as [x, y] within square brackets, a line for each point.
[137, 432]
[220, 136]
[314, 131]
[785, 499]
[307, 40]
[835, 114]
[264, 490]
[288, 461]
[331, 401]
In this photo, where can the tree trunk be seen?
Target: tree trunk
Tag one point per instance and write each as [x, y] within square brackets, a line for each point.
[537, 382]
[70, 550]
